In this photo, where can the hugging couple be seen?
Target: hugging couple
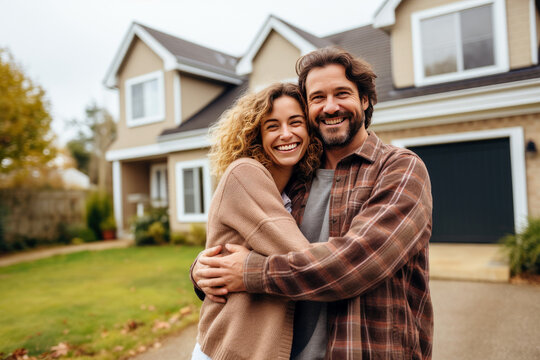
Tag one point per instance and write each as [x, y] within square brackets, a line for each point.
[317, 240]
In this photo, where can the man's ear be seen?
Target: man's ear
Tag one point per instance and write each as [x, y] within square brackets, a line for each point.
[365, 102]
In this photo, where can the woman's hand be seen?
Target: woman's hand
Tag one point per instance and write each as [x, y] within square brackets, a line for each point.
[222, 275]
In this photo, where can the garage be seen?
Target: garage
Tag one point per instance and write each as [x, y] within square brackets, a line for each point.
[472, 190]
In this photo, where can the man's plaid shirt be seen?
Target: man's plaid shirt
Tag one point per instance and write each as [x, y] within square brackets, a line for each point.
[373, 271]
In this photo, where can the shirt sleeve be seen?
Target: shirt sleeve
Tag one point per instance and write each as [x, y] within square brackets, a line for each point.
[391, 227]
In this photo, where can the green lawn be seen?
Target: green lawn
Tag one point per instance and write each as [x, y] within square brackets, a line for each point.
[87, 300]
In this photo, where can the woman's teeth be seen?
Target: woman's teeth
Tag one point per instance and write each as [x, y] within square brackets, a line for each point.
[287, 147]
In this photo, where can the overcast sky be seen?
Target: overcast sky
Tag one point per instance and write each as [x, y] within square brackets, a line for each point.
[66, 46]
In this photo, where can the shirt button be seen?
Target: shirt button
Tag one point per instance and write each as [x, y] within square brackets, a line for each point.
[338, 179]
[334, 220]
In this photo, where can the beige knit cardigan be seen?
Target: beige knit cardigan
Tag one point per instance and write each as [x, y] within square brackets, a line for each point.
[247, 209]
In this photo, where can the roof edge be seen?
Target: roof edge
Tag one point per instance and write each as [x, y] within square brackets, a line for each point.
[385, 16]
[245, 64]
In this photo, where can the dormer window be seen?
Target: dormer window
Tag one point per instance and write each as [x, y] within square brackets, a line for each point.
[145, 101]
[459, 41]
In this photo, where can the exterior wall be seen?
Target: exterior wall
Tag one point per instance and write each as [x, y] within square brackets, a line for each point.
[196, 93]
[401, 40]
[135, 180]
[274, 62]
[519, 33]
[402, 43]
[173, 159]
[531, 128]
[140, 60]
[537, 16]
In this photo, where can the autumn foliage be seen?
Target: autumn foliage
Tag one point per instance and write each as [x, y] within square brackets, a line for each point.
[25, 136]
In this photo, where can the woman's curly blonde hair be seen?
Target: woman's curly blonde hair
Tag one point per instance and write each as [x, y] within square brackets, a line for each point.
[237, 134]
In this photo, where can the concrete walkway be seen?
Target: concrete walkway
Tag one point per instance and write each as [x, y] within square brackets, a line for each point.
[44, 253]
[473, 320]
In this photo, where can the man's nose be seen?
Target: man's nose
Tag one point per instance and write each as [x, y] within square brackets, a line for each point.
[331, 105]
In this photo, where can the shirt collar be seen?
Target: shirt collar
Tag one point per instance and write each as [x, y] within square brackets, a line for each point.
[368, 149]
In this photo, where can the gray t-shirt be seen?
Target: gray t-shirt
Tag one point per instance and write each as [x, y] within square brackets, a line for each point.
[310, 334]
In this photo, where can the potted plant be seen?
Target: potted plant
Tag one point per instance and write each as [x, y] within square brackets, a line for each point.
[108, 228]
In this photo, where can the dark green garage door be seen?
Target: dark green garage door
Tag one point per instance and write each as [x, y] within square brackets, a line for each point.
[472, 190]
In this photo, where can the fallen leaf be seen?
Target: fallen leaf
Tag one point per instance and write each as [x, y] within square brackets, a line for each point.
[151, 308]
[141, 349]
[157, 345]
[60, 350]
[118, 348]
[104, 334]
[66, 331]
[174, 318]
[158, 325]
[185, 310]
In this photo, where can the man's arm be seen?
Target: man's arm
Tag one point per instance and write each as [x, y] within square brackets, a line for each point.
[393, 225]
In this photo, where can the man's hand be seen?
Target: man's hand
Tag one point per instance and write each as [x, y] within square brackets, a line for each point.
[223, 275]
[214, 294]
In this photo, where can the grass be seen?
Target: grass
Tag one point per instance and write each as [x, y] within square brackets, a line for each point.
[104, 305]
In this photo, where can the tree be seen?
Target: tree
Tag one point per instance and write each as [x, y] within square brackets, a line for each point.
[96, 133]
[25, 122]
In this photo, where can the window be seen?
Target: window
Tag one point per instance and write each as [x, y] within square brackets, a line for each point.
[159, 194]
[193, 190]
[460, 40]
[144, 99]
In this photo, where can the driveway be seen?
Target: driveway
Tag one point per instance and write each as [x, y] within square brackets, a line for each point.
[473, 321]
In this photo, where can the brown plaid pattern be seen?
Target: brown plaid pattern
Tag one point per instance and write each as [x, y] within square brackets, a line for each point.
[374, 268]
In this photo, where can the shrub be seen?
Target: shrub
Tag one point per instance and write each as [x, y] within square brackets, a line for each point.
[523, 249]
[179, 238]
[67, 233]
[99, 208]
[195, 237]
[142, 225]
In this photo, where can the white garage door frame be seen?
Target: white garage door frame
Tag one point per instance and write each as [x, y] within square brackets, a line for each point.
[517, 159]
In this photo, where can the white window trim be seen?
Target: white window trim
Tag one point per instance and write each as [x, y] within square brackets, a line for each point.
[500, 42]
[160, 116]
[517, 160]
[207, 188]
[154, 196]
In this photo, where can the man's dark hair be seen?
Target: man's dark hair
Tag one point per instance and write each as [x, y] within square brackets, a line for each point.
[357, 71]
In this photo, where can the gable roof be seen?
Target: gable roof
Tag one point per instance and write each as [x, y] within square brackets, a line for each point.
[176, 54]
[304, 41]
[211, 112]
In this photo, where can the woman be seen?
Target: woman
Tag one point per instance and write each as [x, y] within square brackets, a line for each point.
[260, 143]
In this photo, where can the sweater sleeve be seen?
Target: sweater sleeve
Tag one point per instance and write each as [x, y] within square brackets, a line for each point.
[251, 204]
[393, 226]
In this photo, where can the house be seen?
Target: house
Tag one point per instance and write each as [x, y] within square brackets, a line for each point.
[458, 83]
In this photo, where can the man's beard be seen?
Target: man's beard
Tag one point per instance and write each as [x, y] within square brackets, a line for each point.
[332, 140]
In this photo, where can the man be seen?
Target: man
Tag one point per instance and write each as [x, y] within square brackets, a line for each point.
[373, 271]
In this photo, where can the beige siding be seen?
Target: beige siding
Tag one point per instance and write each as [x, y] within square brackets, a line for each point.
[196, 93]
[402, 43]
[519, 33]
[537, 17]
[530, 124]
[275, 61]
[173, 159]
[401, 40]
[140, 60]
